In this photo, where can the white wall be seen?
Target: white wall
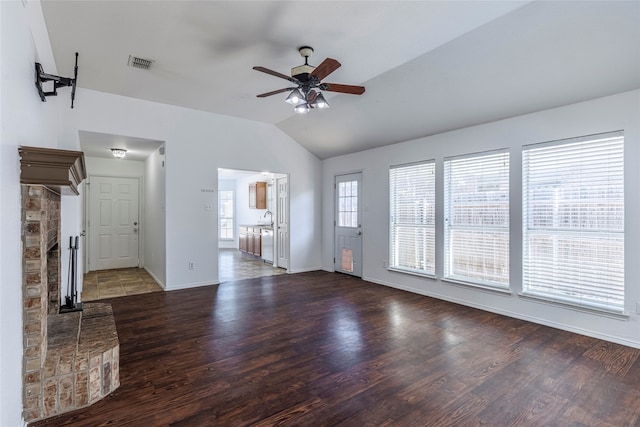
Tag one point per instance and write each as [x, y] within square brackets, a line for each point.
[196, 145]
[24, 120]
[154, 226]
[601, 115]
[114, 167]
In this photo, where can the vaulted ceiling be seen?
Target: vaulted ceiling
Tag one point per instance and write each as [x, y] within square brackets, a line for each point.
[428, 66]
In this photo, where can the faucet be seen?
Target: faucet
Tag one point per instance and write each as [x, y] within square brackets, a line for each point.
[270, 216]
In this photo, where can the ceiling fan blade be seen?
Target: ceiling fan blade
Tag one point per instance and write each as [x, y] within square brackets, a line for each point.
[353, 90]
[325, 68]
[276, 74]
[275, 92]
[311, 97]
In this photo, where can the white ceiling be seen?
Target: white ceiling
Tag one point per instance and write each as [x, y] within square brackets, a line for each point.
[95, 144]
[239, 174]
[428, 66]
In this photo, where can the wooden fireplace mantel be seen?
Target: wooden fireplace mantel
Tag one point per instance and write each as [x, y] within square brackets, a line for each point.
[59, 170]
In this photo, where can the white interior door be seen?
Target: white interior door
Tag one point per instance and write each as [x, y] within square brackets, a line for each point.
[282, 222]
[348, 224]
[113, 222]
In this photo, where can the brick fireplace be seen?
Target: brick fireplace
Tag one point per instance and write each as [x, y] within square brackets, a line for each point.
[70, 360]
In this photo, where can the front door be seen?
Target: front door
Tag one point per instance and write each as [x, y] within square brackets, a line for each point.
[348, 224]
[113, 222]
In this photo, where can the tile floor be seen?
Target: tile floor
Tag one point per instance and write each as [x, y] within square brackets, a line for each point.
[233, 265]
[117, 283]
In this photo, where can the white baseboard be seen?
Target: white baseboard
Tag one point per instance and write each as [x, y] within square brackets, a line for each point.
[158, 281]
[303, 270]
[191, 285]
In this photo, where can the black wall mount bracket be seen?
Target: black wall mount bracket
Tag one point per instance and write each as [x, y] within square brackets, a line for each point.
[58, 82]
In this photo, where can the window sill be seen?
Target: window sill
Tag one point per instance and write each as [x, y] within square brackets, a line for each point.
[585, 309]
[412, 273]
[502, 291]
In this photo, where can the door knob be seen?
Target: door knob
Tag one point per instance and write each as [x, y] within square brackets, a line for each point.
[359, 233]
[135, 222]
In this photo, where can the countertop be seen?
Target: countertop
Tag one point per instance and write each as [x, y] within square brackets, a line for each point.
[265, 226]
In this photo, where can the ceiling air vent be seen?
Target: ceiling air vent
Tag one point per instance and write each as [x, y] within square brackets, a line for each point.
[142, 63]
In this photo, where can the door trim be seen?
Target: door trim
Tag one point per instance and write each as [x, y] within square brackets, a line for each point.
[287, 211]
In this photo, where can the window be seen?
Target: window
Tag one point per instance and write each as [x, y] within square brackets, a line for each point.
[226, 214]
[412, 228]
[476, 215]
[573, 221]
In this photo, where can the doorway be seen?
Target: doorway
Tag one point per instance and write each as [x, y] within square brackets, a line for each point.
[348, 224]
[123, 198]
[253, 224]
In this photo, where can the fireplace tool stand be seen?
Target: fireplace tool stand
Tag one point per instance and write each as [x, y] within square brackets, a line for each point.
[71, 299]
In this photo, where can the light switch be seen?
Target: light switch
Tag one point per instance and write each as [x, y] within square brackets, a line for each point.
[208, 207]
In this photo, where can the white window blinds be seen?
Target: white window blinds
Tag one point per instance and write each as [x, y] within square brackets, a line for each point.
[573, 221]
[476, 199]
[412, 211]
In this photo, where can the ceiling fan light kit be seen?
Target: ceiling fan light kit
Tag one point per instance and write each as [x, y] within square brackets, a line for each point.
[320, 102]
[302, 108]
[308, 79]
[294, 97]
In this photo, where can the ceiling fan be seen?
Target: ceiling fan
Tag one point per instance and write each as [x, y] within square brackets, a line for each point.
[308, 80]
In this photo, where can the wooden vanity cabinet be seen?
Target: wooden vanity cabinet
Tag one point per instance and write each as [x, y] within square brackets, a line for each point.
[250, 240]
[243, 237]
[257, 243]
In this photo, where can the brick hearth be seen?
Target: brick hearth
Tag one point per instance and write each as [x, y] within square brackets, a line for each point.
[70, 360]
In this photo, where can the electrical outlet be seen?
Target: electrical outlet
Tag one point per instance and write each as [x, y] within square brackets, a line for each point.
[192, 265]
[384, 263]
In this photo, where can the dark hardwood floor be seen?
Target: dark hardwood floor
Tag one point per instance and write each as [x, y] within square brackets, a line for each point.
[319, 349]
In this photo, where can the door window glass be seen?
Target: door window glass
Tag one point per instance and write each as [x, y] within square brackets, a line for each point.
[348, 204]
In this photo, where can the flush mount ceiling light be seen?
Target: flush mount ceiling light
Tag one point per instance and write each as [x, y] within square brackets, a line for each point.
[307, 78]
[118, 153]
